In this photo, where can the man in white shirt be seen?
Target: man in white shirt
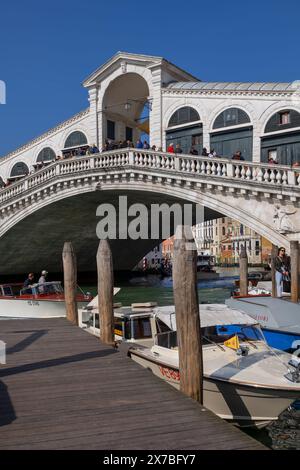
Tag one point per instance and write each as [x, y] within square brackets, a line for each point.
[42, 281]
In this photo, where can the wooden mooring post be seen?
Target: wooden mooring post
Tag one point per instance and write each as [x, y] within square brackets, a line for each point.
[187, 314]
[70, 282]
[105, 292]
[243, 271]
[274, 254]
[294, 271]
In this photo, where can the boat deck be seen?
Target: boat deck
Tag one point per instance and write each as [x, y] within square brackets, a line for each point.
[62, 389]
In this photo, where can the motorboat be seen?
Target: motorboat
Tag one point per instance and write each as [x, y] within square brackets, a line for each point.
[132, 324]
[279, 318]
[205, 266]
[37, 301]
[245, 381]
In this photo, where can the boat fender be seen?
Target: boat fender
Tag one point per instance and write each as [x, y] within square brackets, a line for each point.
[296, 345]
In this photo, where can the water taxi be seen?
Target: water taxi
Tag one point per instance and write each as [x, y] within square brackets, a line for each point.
[249, 384]
[205, 266]
[45, 300]
[132, 324]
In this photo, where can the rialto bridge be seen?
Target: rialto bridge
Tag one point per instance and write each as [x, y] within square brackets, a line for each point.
[133, 97]
[59, 202]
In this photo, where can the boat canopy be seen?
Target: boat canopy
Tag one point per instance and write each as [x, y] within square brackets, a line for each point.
[210, 315]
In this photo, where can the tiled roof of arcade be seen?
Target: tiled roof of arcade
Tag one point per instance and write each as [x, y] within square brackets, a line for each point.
[234, 86]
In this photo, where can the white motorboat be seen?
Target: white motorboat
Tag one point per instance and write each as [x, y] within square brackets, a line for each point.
[132, 324]
[205, 266]
[249, 385]
[38, 301]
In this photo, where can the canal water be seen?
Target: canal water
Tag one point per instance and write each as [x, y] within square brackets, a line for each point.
[282, 434]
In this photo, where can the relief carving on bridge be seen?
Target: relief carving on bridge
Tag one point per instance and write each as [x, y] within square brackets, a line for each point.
[284, 219]
[124, 67]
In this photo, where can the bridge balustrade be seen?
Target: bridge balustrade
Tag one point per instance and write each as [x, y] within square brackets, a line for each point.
[274, 175]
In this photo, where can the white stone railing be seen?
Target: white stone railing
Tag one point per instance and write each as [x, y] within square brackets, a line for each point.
[273, 175]
[240, 170]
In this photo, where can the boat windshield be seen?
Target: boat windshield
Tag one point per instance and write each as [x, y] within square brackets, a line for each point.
[214, 335]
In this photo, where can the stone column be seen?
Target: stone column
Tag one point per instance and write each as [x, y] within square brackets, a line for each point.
[206, 137]
[256, 153]
[94, 128]
[156, 111]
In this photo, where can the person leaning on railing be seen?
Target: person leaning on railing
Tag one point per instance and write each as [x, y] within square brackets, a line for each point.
[193, 151]
[237, 156]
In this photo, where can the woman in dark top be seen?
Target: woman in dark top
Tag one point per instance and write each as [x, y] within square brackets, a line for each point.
[282, 266]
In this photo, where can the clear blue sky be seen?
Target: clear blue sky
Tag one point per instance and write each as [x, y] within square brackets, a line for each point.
[48, 47]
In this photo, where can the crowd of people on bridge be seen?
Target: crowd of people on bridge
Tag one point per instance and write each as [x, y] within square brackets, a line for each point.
[205, 153]
[111, 145]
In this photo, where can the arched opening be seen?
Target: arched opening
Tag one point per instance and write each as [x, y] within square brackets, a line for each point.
[80, 227]
[46, 155]
[281, 142]
[185, 130]
[76, 144]
[232, 133]
[19, 170]
[126, 112]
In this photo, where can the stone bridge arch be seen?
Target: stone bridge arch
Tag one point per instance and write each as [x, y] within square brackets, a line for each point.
[40, 219]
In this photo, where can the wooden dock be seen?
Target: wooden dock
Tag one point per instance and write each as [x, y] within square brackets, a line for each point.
[62, 389]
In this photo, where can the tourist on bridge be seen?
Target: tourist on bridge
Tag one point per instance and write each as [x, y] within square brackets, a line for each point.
[272, 159]
[178, 148]
[146, 145]
[170, 148]
[139, 144]
[212, 153]
[193, 151]
[282, 275]
[237, 155]
[94, 149]
[204, 152]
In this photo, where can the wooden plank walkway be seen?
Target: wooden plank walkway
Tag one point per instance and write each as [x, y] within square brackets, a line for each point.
[62, 389]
